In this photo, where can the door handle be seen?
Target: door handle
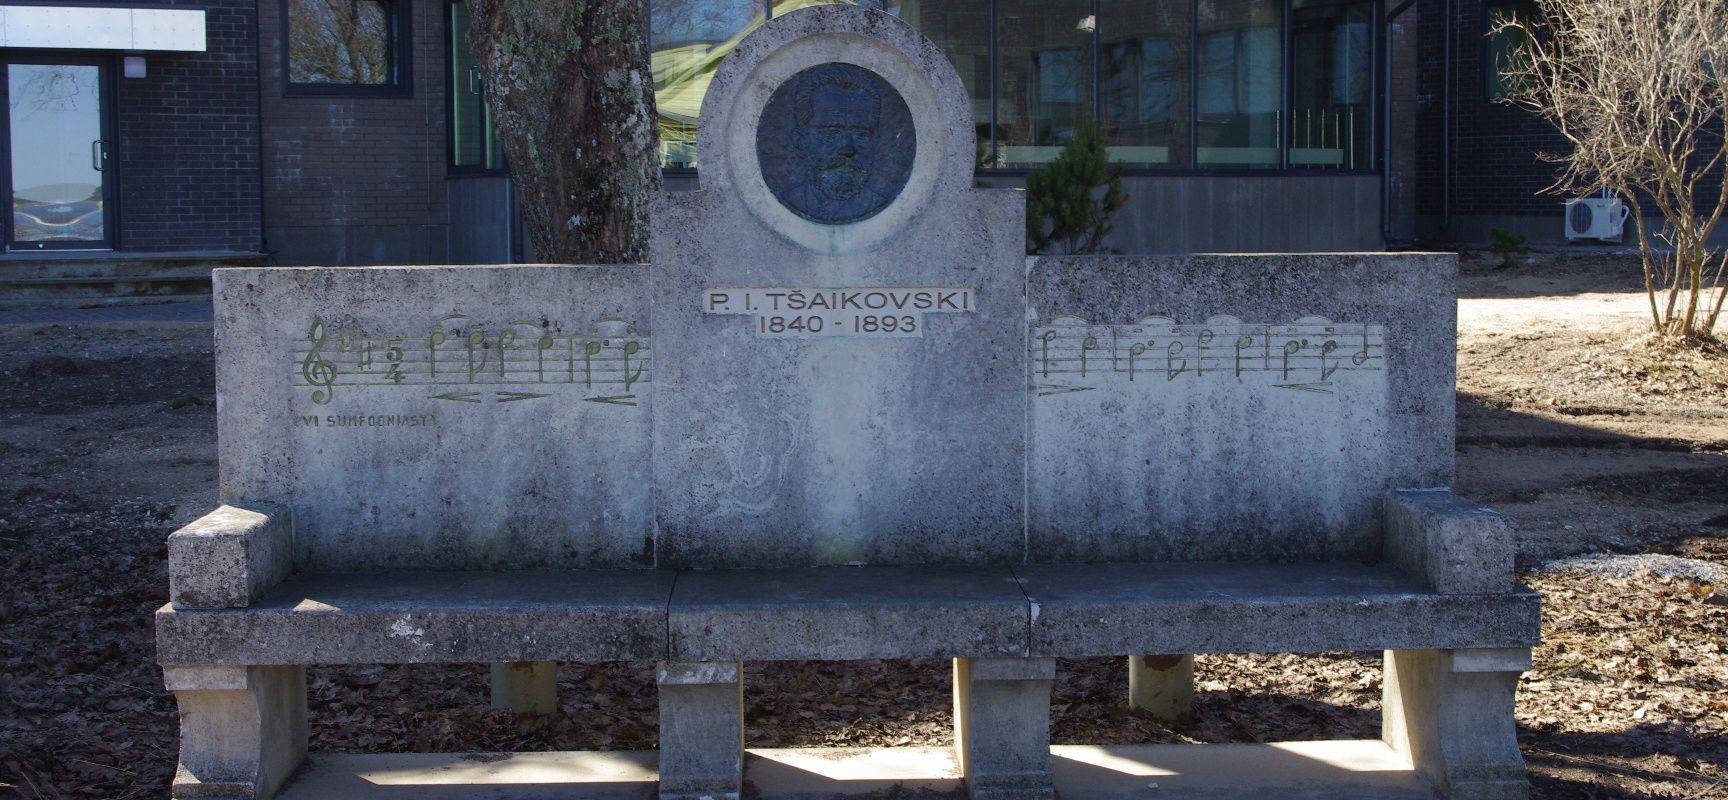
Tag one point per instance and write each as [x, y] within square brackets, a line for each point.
[96, 155]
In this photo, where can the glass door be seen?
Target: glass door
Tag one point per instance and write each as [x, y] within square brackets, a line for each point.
[56, 166]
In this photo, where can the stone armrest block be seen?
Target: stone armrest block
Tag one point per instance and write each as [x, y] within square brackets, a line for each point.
[1458, 547]
[430, 617]
[229, 557]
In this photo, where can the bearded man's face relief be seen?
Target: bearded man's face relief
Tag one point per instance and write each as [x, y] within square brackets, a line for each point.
[837, 140]
[835, 143]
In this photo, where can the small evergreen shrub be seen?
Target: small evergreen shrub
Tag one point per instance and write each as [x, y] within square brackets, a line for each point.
[1070, 201]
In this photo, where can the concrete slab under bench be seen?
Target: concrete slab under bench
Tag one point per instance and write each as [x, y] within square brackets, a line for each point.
[1336, 770]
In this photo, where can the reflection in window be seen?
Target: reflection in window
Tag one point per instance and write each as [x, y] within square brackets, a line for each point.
[343, 42]
[1044, 74]
[1240, 85]
[1507, 48]
[961, 28]
[473, 139]
[1143, 82]
[1332, 78]
[689, 38]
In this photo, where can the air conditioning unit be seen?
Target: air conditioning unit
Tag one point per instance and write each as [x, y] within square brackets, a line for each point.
[1602, 218]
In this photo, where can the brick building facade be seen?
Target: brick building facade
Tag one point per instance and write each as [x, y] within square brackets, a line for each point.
[222, 146]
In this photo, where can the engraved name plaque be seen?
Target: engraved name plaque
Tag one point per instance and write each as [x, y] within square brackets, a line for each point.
[822, 313]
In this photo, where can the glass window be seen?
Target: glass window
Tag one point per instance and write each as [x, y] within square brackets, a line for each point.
[473, 139]
[342, 42]
[689, 38]
[1239, 87]
[1332, 81]
[1044, 77]
[1143, 81]
[1507, 47]
[961, 28]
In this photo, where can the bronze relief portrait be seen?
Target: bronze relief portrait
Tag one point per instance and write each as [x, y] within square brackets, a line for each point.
[835, 143]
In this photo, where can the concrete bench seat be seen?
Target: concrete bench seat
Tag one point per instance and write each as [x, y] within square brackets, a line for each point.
[843, 613]
[1258, 607]
[430, 617]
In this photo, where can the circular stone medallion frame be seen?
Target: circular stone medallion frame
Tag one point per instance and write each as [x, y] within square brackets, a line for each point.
[811, 37]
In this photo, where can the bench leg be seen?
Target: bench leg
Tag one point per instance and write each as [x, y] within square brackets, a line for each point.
[525, 687]
[242, 729]
[1002, 726]
[1450, 711]
[1162, 685]
[701, 730]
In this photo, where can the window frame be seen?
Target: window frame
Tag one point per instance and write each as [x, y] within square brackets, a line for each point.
[398, 51]
[450, 89]
[1378, 60]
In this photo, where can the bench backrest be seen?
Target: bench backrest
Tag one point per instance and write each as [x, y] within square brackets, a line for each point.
[745, 401]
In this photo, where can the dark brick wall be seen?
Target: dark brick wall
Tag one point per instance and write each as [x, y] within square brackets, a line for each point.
[356, 179]
[188, 140]
[1496, 169]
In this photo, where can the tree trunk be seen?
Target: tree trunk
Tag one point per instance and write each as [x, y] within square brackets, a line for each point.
[573, 100]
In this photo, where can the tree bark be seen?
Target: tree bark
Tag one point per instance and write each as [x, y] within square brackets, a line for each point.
[572, 96]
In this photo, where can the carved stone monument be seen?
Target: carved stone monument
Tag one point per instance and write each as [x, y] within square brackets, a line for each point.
[841, 416]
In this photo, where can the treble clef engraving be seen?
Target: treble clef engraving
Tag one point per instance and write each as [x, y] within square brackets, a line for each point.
[316, 370]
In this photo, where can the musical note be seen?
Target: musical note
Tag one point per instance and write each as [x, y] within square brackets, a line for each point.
[1089, 344]
[1047, 337]
[630, 349]
[1174, 366]
[1291, 348]
[1134, 351]
[540, 349]
[1242, 343]
[589, 350]
[1326, 349]
[1205, 338]
[477, 339]
[316, 370]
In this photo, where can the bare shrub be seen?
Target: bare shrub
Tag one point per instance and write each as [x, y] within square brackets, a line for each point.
[1640, 90]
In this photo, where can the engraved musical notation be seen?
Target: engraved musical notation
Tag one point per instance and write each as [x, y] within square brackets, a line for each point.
[1310, 354]
[466, 361]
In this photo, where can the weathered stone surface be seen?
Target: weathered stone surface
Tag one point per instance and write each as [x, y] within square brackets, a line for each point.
[536, 461]
[1456, 545]
[229, 557]
[1154, 454]
[805, 450]
[1450, 713]
[1250, 607]
[1002, 726]
[701, 730]
[242, 729]
[431, 617]
[839, 613]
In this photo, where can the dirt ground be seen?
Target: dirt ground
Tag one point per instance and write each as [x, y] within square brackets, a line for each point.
[1565, 423]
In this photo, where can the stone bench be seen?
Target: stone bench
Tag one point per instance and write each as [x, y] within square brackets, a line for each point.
[240, 630]
[843, 416]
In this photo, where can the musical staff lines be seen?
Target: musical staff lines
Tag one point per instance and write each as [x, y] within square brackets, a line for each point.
[1310, 354]
[463, 360]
